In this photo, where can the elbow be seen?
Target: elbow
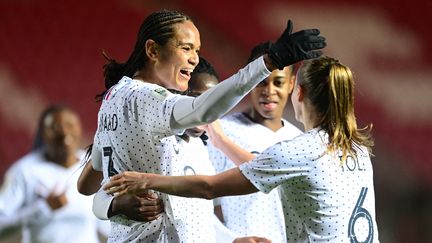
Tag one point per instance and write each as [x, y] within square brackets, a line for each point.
[209, 191]
[83, 189]
[209, 117]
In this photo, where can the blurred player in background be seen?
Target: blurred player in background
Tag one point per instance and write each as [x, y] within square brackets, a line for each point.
[39, 195]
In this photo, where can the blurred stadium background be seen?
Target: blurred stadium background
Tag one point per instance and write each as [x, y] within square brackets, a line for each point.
[50, 52]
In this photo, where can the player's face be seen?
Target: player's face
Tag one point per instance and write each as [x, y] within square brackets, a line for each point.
[62, 133]
[198, 85]
[179, 57]
[270, 96]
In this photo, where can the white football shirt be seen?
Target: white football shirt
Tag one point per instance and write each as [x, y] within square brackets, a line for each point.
[23, 204]
[135, 134]
[323, 201]
[258, 213]
[193, 216]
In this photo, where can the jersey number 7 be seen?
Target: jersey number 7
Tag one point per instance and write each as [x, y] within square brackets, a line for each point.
[107, 151]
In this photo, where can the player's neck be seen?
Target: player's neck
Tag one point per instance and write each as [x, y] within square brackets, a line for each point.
[273, 124]
[64, 159]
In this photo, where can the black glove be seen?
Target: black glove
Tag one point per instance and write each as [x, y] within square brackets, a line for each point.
[292, 48]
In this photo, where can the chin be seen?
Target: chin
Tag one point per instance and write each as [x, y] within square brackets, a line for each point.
[181, 88]
[268, 114]
[182, 85]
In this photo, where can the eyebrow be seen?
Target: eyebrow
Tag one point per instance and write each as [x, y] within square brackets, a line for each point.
[180, 43]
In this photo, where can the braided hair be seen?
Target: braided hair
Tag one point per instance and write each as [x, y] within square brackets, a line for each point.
[158, 27]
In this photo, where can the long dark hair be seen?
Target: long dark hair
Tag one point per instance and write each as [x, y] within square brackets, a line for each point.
[158, 27]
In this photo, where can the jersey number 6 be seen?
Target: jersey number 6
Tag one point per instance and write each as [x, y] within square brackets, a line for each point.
[360, 212]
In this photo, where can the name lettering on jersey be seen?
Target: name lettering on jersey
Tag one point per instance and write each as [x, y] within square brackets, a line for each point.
[108, 122]
[352, 164]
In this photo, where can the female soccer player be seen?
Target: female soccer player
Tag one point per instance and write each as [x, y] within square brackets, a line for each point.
[325, 175]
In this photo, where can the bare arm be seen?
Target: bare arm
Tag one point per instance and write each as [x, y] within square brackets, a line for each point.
[219, 140]
[90, 180]
[230, 182]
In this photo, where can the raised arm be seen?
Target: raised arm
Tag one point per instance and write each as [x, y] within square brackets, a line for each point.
[230, 182]
[215, 102]
[290, 48]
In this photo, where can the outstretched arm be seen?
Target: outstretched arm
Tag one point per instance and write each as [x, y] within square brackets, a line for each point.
[215, 102]
[230, 182]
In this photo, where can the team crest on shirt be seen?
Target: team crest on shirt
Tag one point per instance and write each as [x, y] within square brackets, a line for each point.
[159, 93]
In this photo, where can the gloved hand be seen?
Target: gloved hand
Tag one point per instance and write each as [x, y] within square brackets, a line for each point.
[294, 47]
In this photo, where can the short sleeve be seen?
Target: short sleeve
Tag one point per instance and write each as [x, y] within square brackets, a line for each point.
[217, 158]
[152, 108]
[279, 163]
[96, 156]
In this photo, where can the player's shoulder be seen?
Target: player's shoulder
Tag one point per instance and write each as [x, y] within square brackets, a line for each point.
[153, 90]
[289, 129]
[236, 119]
[27, 162]
[314, 141]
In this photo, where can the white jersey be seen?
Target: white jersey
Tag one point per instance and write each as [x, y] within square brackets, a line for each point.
[258, 213]
[323, 200]
[134, 134]
[194, 215]
[23, 204]
[201, 215]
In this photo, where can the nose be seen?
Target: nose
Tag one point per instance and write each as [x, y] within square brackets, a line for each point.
[269, 89]
[60, 130]
[194, 59]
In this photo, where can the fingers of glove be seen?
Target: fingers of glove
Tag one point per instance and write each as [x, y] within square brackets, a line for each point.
[289, 27]
[306, 32]
[287, 32]
[313, 54]
[314, 39]
[313, 45]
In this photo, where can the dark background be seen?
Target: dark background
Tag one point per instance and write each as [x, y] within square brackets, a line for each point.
[50, 52]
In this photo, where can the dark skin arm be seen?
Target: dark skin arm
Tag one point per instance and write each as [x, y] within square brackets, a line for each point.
[142, 207]
[89, 180]
[139, 207]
